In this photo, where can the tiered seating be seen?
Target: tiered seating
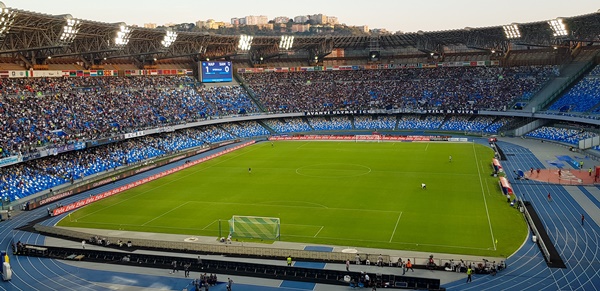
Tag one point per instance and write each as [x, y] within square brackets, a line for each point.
[21, 180]
[336, 123]
[39, 111]
[289, 125]
[574, 139]
[375, 122]
[431, 122]
[439, 88]
[583, 96]
[456, 123]
[553, 133]
[246, 129]
[229, 100]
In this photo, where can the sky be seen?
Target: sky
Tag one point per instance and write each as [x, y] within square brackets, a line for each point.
[393, 15]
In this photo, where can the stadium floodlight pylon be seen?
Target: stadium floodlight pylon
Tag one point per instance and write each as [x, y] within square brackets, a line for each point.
[558, 27]
[7, 18]
[70, 30]
[169, 38]
[286, 42]
[122, 35]
[245, 43]
[512, 31]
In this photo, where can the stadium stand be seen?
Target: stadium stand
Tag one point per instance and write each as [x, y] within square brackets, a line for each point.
[583, 97]
[375, 122]
[51, 111]
[480, 88]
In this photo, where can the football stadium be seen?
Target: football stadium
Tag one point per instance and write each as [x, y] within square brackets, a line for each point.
[165, 158]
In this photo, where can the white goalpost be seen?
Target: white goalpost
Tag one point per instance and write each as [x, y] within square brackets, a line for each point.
[255, 227]
[367, 138]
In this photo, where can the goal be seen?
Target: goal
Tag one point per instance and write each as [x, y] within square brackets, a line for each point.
[254, 227]
[368, 138]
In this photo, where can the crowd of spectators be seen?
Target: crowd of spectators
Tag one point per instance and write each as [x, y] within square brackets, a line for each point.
[420, 122]
[246, 129]
[41, 111]
[475, 124]
[375, 122]
[553, 133]
[288, 125]
[490, 88]
[583, 97]
[330, 123]
[564, 135]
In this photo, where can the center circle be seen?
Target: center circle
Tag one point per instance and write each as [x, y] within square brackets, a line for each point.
[333, 170]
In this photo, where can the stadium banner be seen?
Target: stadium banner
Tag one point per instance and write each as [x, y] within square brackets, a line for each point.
[359, 112]
[107, 140]
[10, 161]
[32, 156]
[372, 67]
[94, 198]
[409, 138]
[336, 112]
[67, 148]
[134, 134]
[458, 139]
[56, 74]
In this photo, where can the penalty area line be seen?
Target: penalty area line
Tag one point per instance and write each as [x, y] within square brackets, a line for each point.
[395, 227]
[319, 231]
[209, 224]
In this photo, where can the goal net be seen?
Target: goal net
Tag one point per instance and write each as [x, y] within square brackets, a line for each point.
[368, 138]
[254, 227]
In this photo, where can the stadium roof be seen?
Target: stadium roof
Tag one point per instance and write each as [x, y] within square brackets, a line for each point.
[33, 37]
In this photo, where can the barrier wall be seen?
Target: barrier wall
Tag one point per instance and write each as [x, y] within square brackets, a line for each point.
[368, 138]
[225, 249]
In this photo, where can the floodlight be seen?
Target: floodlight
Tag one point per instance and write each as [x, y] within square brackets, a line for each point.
[512, 31]
[7, 18]
[558, 27]
[70, 30]
[169, 38]
[286, 42]
[123, 35]
[245, 42]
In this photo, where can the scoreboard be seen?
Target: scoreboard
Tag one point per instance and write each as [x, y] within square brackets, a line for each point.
[217, 71]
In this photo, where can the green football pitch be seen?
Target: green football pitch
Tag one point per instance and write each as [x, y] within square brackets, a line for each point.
[352, 194]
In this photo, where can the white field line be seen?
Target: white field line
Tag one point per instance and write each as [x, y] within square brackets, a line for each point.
[427, 146]
[170, 182]
[483, 195]
[209, 224]
[395, 227]
[153, 219]
[319, 231]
